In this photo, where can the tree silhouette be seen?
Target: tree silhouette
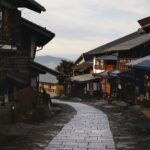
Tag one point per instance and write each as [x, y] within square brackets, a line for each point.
[65, 67]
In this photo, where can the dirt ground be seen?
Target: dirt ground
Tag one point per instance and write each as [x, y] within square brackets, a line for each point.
[37, 135]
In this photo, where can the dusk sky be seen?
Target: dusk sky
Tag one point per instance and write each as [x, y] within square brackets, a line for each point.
[82, 25]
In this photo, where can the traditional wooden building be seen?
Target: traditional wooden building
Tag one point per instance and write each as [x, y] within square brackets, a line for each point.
[83, 65]
[102, 66]
[19, 41]
[141, 69]
[49, 81]
[110, 60]
[84, 83]
[84, 86]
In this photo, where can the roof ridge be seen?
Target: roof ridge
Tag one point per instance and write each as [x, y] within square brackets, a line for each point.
[101, 48]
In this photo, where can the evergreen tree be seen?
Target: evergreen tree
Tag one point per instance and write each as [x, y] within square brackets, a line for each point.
[65, 67]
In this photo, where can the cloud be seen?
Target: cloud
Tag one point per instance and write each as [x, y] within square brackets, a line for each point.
[82, 25]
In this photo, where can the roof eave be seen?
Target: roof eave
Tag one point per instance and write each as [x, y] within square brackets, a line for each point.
[30, 4]
[40, 31]
[45, 69]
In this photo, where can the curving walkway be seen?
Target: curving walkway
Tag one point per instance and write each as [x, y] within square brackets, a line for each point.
[88, 130]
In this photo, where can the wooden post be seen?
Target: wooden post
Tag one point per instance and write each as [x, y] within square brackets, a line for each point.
[135, 90]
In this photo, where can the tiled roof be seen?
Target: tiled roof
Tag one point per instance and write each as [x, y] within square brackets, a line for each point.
[130, 44]
[83, 78]
[103, 48]
[44, 68]
[142, 63]
[48, 78]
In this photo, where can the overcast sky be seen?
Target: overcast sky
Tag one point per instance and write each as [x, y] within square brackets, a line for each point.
[82, 25]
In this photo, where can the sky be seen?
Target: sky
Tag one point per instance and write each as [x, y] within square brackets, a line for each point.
[82, 25]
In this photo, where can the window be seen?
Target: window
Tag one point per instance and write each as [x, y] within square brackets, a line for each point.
[122, 64]
[102, 65]
[95, 86]
[97, 62]
[88, 87]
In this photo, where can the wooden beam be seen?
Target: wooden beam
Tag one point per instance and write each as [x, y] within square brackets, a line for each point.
[7, 4]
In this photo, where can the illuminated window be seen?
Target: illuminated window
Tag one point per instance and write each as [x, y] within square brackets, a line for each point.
[97, 62]
[102, 65]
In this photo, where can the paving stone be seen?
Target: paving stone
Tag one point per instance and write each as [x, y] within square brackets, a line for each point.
[88, 130]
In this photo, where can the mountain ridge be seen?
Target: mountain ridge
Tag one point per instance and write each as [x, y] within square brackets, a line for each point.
[48, 61]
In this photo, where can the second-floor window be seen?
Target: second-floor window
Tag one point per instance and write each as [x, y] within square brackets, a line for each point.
[122, 64]
[100, 65]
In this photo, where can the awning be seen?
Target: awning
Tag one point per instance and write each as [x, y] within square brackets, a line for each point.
[84, 78]
[104, 74]
[114, 73]
[142, 63]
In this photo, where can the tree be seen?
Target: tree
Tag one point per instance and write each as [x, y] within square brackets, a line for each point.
[65, 67]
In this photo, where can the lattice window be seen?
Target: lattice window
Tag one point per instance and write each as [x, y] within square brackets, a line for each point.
[100, 65]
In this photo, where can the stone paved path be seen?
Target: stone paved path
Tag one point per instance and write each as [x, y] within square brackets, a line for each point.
[88, 130]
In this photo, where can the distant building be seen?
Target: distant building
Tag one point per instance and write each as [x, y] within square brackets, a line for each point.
[49, 81]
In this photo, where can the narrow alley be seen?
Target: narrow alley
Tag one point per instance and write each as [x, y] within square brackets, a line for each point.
[88, 130]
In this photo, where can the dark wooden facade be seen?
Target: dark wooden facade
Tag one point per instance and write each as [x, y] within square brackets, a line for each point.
[19, 40]
[84, 89]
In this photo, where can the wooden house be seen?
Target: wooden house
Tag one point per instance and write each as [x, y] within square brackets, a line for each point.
[84, 86]
[102, 66]
[19, 41]
[84, 83]
[83, 65]
[141, 69]
[49, 81]
[110, 60]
